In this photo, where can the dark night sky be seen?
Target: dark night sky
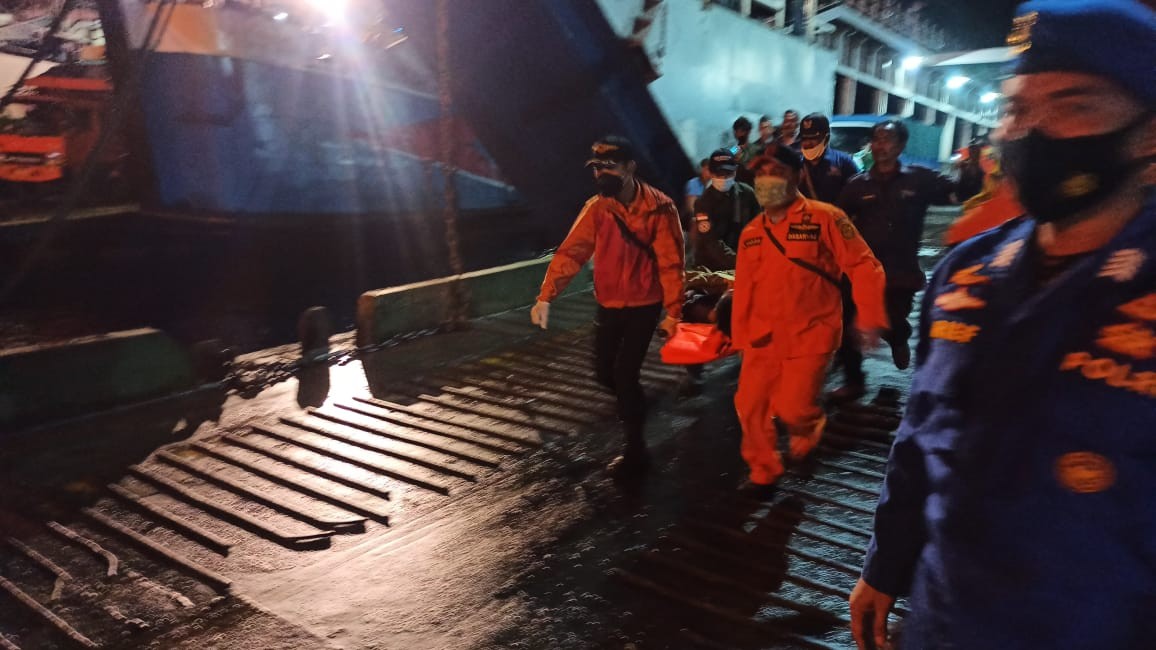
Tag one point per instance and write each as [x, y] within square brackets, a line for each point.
[978, 23]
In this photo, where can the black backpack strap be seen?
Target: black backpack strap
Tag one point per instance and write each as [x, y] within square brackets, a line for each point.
[803, 263]
[629, 236]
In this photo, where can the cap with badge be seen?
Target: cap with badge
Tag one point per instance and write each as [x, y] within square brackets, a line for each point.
[610, 150]
[815, 125]
[722, 161]
[1115, 39]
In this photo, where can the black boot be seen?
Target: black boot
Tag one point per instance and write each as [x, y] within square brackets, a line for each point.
[635, 459]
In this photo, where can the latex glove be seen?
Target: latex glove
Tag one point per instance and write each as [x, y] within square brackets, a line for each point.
[869, 339]
[869, 610]
[540, 314]
[667, 326]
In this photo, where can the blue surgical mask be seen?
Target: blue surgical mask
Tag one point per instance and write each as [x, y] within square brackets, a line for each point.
[723, 184]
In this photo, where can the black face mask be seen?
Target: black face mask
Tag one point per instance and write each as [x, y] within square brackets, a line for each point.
[1059, 177]
[609, 185]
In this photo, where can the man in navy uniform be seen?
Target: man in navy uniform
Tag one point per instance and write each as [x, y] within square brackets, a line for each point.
[827, 170]
[888, 204]
[1019, 506]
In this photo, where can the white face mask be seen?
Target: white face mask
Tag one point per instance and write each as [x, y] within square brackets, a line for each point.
[723, 184]
[771, 191]
[814, 153]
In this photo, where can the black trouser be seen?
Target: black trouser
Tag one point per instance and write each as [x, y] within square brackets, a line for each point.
[898, 303]
[621, 339]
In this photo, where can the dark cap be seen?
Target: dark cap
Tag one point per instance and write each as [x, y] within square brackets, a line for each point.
[815, 125]
[783, 155]
[722, 161]
[611, 149]
[1114, 39]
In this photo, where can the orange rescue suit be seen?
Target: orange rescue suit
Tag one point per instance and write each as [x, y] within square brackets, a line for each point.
[788, 321]
[624, 274]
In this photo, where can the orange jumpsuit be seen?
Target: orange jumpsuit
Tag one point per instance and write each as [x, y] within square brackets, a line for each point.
[788, 322]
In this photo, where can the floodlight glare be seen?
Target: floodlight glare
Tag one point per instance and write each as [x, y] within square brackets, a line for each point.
[957, 82]
[988, 97]
[912, 62]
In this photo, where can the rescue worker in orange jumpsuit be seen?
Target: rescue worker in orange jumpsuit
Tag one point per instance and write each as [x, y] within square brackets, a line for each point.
[634, 235]
[788, 313]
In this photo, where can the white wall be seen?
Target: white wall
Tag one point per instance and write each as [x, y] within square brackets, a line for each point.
[719, 65]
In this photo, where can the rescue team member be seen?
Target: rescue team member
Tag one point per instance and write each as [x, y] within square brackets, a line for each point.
[726, 206]
[1019, 506]
[889, 205]
[633, 233]
[720, 214]
[787, 315]
[827, 170]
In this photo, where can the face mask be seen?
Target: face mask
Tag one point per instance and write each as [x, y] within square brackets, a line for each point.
[722, 184]
[1060, 177]
[814, 153]
[609, 185]
[771, 191]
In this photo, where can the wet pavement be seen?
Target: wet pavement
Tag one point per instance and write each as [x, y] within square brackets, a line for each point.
[446, 492]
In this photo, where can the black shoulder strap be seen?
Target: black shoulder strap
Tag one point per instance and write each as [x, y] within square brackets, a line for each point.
[629, 236]
[803, 263]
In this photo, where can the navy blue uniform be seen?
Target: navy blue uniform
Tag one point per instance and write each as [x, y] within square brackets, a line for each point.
[824, 179]
[1019, 508]
[889, 211]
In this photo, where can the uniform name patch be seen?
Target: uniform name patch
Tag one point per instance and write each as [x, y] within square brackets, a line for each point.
[949, 330]
[754, 241]
[1111, 372]
[803, 232]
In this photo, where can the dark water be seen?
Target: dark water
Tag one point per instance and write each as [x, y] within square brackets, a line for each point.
[243, 285]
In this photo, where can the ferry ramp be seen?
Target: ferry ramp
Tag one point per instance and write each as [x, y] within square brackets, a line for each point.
[444, 492]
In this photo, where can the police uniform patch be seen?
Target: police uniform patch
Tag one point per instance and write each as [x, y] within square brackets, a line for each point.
[1085, 472]
[1123, 265]
[846, 228]
[803, 232]
[954, 331]
[754, 241]
[959, 300]
[1007, 254]
[1141, 308]
[1129, 339]
[969, 277]
[1111, 372]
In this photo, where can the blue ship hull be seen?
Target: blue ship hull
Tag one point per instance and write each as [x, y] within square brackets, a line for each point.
[238, 137]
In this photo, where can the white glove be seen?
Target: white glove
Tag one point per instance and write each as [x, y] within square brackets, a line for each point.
[540, 314]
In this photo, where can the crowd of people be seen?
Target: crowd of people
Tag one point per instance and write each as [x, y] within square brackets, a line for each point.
[1017, 508]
